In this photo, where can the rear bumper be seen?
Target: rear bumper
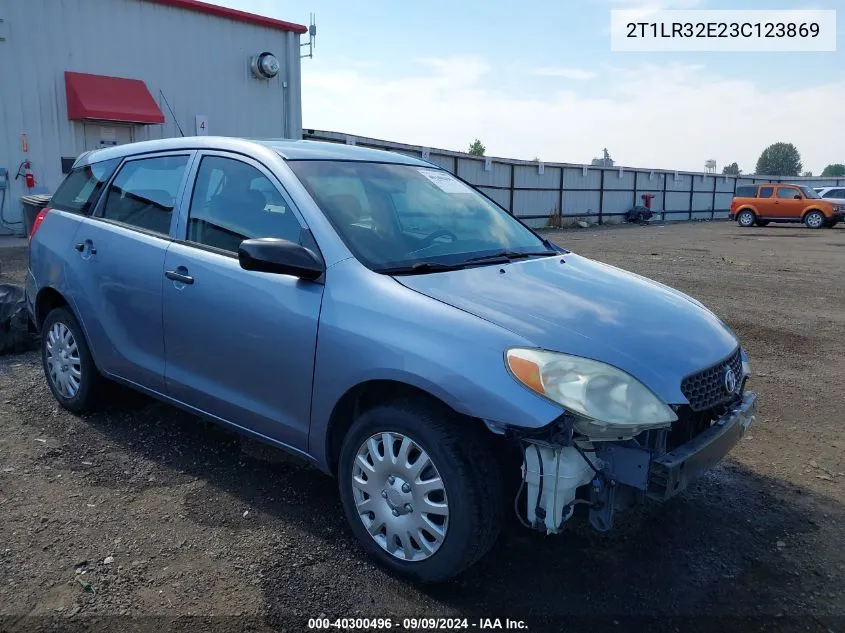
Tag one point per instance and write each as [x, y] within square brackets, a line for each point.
[669, 474]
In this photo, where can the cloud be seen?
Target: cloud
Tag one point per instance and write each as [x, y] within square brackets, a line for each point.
[566, 73]
[643, 9]
[673, 115]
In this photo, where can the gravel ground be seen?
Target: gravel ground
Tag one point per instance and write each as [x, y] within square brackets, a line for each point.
[142, 510]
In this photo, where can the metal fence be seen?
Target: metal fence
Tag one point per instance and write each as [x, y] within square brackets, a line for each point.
[543, 194]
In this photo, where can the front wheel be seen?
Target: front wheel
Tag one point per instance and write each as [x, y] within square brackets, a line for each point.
[420, 490]
[745, 218]
[814, 220]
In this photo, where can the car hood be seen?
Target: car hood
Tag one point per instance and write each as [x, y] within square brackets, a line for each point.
[578, 306]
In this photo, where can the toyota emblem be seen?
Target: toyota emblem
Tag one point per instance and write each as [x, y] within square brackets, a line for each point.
[730, 381]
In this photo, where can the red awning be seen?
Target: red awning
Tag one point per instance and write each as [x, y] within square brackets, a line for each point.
[110, 99]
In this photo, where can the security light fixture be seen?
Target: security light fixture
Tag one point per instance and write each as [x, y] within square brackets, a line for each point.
[265, 65]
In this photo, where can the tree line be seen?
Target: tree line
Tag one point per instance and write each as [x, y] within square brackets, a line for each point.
[784, 159]
[778, 159]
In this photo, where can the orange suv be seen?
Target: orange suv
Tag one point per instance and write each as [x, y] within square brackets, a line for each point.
[763, 203]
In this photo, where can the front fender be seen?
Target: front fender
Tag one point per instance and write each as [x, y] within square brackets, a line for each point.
[373, 328]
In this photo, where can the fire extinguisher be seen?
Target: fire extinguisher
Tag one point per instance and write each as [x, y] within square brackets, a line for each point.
[25, 170]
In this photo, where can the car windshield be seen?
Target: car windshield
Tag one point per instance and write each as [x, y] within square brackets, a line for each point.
[413, 218]
[809, 193]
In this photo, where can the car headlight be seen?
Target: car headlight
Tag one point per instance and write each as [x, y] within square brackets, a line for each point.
[608, 403]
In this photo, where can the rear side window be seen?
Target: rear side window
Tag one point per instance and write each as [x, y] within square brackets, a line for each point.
[835, 193]
[766, 192]
[80, 190]
[144, 192]
[746, 191]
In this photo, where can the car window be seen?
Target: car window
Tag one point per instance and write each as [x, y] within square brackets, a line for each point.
[835, 193]
[233, 201]
[144, 192]
[397, 216]
[81, 188]
[746, 191]
[766, 192]
[350, 189]
[787, 193]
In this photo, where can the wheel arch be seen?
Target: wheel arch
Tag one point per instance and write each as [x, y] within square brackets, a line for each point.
[47, 300]
[811, 209]
[366, 395]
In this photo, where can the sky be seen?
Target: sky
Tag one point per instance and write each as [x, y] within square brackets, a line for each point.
[537, 79]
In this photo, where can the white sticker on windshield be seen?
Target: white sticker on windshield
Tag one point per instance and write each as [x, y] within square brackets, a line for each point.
[445, 181]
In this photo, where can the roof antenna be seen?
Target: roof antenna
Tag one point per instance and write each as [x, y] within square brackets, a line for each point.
[175, 120]
[312, 39]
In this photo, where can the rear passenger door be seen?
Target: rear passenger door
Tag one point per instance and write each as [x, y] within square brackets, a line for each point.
[119, 267]
[240, 344]
[765, 203]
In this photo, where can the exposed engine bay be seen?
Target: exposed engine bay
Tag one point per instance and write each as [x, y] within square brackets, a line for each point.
[563, 470]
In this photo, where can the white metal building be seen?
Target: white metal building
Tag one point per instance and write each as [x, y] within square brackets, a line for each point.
[81, 74]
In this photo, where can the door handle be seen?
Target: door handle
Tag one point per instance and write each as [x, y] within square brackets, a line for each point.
[81, 248]
[174, 275]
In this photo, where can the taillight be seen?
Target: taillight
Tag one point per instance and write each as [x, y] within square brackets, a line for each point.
[37, 221]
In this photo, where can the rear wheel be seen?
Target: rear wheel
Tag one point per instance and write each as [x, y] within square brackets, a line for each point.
[745, 218]
[814, 220]
[420, 490]
[71, 375]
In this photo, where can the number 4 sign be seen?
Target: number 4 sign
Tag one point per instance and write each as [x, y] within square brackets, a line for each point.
[202, 125]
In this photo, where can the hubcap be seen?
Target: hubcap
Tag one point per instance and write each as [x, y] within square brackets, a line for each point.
[62, 357]
[746, 219]
[814, 220]
[399, 496]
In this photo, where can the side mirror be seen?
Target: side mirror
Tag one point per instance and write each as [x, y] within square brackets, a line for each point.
[273, 255]
[797, 196]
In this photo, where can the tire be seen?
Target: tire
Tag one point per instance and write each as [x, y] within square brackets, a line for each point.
[73, 378]
[470, 489]
[814, 220]
[746, 218]
[762, 222]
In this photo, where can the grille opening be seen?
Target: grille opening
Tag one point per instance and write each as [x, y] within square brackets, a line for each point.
[707, 389]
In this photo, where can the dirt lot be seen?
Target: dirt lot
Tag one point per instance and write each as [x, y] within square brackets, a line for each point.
[143, 510]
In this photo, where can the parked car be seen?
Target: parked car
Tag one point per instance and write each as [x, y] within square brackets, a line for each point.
[835, 194]
[390, 324]
[763, 203]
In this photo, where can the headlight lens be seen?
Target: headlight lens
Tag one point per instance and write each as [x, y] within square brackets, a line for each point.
[610, 403]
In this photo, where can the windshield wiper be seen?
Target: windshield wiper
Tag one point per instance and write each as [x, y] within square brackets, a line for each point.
[506, 256]
[420, 268]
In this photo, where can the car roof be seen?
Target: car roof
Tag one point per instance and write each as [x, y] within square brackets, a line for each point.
[287, 149]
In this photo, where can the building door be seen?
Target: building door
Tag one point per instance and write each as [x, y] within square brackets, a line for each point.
[105, 134]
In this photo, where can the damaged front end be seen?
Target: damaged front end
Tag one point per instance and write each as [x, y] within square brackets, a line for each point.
[562, 468]
[617, 442]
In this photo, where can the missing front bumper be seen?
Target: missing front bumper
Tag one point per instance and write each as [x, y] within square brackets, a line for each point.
[621, 474]
[671, 473]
